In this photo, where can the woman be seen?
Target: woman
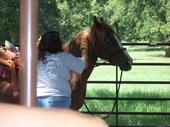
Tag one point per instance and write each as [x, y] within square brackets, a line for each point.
[54, 71]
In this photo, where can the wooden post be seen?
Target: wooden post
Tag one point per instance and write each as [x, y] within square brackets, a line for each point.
[28, 47]
[167, 52]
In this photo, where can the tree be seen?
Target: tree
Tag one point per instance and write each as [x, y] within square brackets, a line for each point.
[9, 23]
[137, 19]
[48, 16]
[74, 16]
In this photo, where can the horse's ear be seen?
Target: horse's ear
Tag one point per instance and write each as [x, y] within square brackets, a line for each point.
[116, 27]
[102, 19]
[94, 18]
[96, 22]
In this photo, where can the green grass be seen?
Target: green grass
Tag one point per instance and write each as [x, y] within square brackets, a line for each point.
[138, 73]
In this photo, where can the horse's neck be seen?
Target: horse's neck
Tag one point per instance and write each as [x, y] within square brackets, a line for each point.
[73, 47]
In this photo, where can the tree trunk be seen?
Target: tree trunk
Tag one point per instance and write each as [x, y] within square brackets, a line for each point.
[167, 52]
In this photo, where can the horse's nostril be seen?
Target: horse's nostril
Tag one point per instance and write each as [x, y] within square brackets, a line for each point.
[128, 63]
[131, 61]
[125, 66]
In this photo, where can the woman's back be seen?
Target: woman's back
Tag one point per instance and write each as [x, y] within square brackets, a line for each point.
[54, 74]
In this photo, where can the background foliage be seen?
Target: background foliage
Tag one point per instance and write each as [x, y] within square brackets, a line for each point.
[145, 20]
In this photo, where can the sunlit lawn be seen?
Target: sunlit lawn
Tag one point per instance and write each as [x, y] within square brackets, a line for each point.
[138, 73]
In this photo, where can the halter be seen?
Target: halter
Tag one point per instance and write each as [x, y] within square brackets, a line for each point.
[112, 55]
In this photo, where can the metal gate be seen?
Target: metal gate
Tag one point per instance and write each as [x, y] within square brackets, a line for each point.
[117, 99]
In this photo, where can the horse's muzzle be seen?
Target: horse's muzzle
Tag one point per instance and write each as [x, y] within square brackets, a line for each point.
[126, 66]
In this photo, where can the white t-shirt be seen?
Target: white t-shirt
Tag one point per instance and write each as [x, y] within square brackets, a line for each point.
[54, 74]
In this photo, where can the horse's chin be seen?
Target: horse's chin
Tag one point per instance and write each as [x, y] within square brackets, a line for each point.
[128, 68]
[125, 66]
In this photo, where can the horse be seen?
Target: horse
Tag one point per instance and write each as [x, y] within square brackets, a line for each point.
[103, 42]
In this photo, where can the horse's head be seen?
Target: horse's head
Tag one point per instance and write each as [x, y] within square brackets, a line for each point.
[107, 45]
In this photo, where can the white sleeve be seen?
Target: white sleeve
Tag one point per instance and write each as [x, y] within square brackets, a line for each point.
[76, 64]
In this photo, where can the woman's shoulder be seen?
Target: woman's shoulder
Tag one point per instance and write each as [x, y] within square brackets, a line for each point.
[62, 55]
[56, 54]
[66, 54]
[69, 57]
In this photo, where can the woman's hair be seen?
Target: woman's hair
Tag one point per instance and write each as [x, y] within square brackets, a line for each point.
[49, 43]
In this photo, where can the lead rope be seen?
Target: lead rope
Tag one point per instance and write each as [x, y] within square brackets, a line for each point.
[114, 104]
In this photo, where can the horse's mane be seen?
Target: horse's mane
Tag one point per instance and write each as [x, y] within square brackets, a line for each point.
[73, 46]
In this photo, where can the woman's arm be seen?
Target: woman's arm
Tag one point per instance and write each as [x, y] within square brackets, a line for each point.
[75, 77]
[84, 49]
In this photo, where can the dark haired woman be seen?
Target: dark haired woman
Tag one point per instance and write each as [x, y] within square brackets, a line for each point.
[54, 71]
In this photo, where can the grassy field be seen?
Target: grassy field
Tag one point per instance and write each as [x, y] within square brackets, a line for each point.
[138, 73]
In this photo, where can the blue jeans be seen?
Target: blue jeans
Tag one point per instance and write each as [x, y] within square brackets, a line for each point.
[54, 102]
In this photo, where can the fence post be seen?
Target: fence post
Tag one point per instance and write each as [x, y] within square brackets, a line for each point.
[28, 39]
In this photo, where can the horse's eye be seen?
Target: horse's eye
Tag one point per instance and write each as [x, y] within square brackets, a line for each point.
[109, 40]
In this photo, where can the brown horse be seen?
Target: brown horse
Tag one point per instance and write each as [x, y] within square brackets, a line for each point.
[102, 42]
